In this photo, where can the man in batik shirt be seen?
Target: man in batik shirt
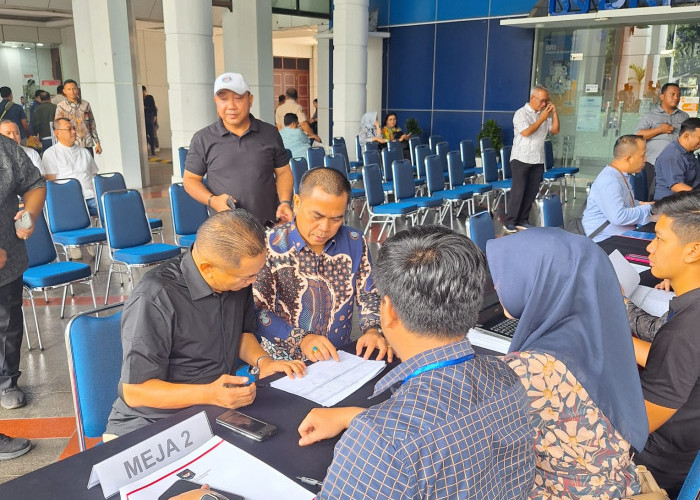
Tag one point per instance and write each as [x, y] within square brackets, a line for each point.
[316, 270]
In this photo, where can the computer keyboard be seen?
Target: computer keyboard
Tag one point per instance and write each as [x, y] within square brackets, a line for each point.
[506, 327]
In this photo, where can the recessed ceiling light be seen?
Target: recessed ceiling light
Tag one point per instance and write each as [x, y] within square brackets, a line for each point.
[27, 48]
[39, 44]
[14, 46]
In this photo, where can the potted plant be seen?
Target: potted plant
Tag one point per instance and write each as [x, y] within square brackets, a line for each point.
[411, 127]
[493, 130]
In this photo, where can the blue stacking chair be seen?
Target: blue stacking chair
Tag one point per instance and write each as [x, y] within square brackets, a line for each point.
[485, 143]
[188, 214]
[436, 188]
[69, 219]
[405, 190]
[550, 176]
[395, 145]
[640, 188]
[691, 486]
[339, 147]
[379, 211]
[481, 229]
[314, 157]
[182, 154]
[114, 181]
[433, 142]
[421, 152]
[389, 156]
[505, 162]
[569, 172]
[551, 210]
[339, 150]
[468, 154]
[299, 167]
[412, 143]
[94, 350]
[457, 180]
[337, 162]
[371, 157]
[128, 235]
[358, 150]
[441, 149]
[501, 187]
[370, 146]
[46, 273]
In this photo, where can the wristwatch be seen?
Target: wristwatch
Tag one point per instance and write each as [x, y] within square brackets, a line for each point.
[212, 495]
[287, 202]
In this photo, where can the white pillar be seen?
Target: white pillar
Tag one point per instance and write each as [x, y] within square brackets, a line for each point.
[350, 26]
[104, 30]
[248, 51]
[375, 50]
[323, 91]
[69, 56]
[189, 52]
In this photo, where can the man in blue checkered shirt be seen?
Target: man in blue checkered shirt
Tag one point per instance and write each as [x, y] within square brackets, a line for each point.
[456, 425]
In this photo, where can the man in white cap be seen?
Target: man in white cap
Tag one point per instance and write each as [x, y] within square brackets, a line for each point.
[243, 158]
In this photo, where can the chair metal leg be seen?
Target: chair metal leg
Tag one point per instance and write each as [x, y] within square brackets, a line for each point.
[63, 301]
[36, 320]
[98, 255]
[109, 279]
[26, 330]
[46, 296]
[92, 292]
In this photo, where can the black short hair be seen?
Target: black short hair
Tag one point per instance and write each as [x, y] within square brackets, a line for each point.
[316, 101]
[281, 98]
[66, 82]
[44, 96]
[669, 84]
[5, 92]
[292, 93]
[37, 93]
[328, 179]
[689, 125]
[684, 211]
[143, 88]
[290, 118]
[626, 144]
[227, 236]
[434, 278]
[59, 89]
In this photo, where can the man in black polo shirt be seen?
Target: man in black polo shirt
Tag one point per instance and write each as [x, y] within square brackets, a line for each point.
[671, 378]
[189, 322]
[242, 157]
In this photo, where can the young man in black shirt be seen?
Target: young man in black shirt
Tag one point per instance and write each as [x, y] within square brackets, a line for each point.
[671, 378]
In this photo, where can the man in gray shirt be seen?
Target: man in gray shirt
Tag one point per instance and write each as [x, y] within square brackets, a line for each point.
[189, 322]
[242, 157]
[660, 126]
[18, 177]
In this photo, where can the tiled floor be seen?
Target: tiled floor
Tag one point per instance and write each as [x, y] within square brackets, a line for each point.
[48, 418]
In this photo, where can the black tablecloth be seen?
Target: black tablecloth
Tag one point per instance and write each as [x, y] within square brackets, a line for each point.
[634, 246]
[68, 478]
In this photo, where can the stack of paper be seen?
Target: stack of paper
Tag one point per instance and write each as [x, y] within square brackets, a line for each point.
[329, 382]
[651, 300]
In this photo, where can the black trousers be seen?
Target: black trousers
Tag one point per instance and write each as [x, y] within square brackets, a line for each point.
[151, 134]
[10, 332]
[525, 186]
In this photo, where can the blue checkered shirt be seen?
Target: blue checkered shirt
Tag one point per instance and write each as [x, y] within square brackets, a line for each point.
[458, 431]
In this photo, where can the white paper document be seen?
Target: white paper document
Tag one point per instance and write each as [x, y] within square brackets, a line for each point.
[651, 300]
[329, 382]
[223, 467]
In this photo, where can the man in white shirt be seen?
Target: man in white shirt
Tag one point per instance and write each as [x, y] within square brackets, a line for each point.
[531, 124]
[8, 128]
[290, 105]
[66, 159]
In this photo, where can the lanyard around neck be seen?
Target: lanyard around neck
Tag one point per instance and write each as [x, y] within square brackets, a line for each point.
[438, 364]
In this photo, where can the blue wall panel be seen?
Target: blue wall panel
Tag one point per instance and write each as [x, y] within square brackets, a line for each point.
[511, 7]
[459, 61]
[411, 11]
[461, 9]
[422, 117]
[410, 67]
[509, 63]
[505, 120]
[455, 126]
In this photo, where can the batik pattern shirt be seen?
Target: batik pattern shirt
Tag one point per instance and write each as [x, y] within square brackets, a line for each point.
[80, 115]
[299, 291]
[579, 454]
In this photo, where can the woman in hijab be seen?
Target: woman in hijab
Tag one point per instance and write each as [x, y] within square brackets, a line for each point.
[369, 129]
[573, 352]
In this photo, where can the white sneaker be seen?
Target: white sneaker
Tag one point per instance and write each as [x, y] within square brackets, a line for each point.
[157, 150]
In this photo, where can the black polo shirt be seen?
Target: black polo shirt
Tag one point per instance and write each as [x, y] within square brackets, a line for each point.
[672, 379]
[243, 167]
[176, 329]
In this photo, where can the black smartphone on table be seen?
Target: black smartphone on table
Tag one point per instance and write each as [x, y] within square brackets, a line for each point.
[244, 425]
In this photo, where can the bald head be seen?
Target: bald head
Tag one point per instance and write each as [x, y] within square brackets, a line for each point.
[226, 237]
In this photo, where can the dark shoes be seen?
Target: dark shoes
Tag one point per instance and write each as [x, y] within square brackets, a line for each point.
[523, 226]
[12, 398]
[509, 228]
[13, 447]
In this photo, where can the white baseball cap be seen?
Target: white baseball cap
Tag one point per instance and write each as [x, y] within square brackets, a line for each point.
[231, 81]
